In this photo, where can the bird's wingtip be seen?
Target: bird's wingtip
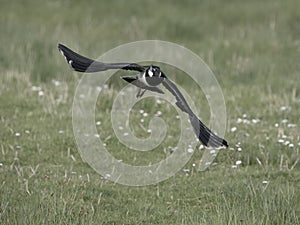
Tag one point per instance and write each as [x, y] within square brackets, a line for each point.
[224, 142]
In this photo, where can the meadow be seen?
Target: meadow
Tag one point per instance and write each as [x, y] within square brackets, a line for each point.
[253, 48]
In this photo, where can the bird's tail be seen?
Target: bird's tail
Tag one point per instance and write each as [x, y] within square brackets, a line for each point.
[205, 135]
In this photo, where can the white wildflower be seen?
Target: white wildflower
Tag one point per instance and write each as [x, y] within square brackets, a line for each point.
[158, 113]
[233, 129]
[158, 101]
[190, 150]
[238, 162]
[285, 107]
[291, 145]
[239, 120]
[186, 170]
[35, 88]
[212, 151]
[280, 140]
[56, 83]
[41, 93]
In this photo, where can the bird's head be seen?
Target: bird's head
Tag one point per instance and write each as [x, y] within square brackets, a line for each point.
[153, 75]
[153, 71]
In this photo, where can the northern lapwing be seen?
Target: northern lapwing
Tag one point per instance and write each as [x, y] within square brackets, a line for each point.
[148, 78]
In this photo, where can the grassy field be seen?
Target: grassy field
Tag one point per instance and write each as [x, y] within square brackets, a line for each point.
[253, 48]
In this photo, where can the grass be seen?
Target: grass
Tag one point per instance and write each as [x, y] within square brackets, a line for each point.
[252, 47]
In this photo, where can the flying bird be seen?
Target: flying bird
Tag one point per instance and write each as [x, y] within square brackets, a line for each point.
[149, 78]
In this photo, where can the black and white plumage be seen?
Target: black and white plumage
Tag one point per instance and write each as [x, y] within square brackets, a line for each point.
[148, 78]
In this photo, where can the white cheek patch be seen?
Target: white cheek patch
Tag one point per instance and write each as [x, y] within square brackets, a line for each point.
[150, 73]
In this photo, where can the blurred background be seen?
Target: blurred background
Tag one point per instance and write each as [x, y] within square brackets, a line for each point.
[244, 42]
[253, 48]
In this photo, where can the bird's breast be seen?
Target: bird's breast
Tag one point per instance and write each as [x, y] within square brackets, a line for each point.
[151, 81]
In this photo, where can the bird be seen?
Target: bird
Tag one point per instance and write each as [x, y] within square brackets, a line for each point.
[150, 77]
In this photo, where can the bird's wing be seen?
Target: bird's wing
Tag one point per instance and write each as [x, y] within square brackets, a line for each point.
[204, 134]
[83, 64]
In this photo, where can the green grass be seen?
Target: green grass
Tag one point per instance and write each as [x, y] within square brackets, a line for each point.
[253, 48]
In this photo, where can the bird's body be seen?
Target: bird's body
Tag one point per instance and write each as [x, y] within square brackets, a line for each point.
[140, 81]
[149, 78]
